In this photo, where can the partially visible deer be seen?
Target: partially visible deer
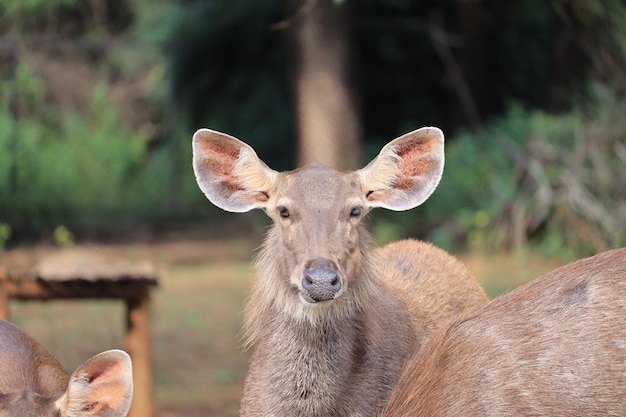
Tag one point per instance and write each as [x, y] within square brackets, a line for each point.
[554, 347]
[34, 384]
[332, 319]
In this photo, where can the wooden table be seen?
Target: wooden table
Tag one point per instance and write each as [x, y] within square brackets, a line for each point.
[86, 274]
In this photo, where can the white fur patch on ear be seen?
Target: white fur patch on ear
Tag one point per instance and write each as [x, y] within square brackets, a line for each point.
[253, 173]
[383, 171]
[71, 406]
[406, 171]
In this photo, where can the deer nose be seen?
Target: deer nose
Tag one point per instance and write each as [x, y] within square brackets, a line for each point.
[321, 282]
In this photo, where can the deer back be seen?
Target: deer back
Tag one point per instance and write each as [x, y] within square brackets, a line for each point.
[556, 346]
[431, 285]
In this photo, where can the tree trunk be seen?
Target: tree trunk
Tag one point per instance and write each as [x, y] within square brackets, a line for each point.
[480, 98]
[327, 121]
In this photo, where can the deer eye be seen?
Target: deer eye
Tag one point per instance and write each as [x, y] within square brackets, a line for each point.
[283, 211]
[355, 212]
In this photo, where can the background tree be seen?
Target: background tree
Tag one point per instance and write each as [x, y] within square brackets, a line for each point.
[328, 122]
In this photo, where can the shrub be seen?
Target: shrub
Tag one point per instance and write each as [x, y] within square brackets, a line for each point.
[80, 170]
[554, 180]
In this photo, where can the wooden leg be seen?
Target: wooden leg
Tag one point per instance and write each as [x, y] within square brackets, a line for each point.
[138, 346]
[4, 303]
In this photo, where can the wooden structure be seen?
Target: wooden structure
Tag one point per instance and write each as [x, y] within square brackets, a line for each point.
[86, 274]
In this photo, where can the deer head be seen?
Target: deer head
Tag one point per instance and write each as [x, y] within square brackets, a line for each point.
[316, 240]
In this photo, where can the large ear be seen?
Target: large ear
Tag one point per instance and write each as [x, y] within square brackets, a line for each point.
[229, 172]
[406, 171]
[100, 387]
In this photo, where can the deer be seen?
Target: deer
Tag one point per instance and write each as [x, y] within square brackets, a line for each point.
[34, 384]
[553, 347]
[332, 318]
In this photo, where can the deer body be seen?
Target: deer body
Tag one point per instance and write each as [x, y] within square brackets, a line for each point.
[34, 384]
[554, 347]
[333, 319]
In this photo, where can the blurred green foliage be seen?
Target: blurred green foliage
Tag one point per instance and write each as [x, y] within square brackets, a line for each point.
[547, 80]
[529, 176]
[229, 70]
[5, 234]
[24, 11]
[63, 237]
[81, 169]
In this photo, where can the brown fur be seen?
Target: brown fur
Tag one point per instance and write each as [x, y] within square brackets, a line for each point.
[34, 384]
[340, 355]
[554, 347]
[346, 365]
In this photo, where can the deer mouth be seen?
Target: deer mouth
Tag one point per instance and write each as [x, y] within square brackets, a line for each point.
[306, 299]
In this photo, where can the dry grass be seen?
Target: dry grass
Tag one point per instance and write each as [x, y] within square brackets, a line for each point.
[199, 364]
[501, 272]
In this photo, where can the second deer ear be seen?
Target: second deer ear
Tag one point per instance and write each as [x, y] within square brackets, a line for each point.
[406, 171]
[100, 387]
[230, 173]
